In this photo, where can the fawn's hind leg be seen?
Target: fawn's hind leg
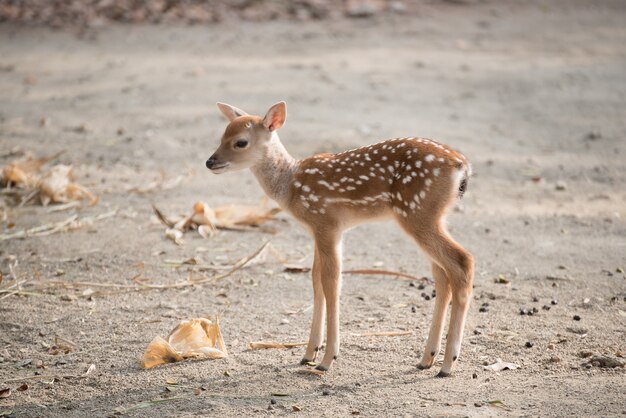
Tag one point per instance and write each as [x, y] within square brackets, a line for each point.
[433, 344]
[319, 311]
[458, 266]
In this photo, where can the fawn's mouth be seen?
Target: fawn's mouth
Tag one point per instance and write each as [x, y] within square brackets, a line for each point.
[217, 169]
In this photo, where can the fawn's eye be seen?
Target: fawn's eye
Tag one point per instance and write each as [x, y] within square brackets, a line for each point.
[242, 143]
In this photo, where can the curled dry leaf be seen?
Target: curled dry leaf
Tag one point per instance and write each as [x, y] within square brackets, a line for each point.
[262, 345]
[500, 365]
[58, 187]
[207, 221]
[195, 338]
[175, 235]
[5, 393]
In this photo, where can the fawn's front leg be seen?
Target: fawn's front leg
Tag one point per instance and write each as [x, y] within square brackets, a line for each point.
[329, 251]
[433, 344]
[319, 310]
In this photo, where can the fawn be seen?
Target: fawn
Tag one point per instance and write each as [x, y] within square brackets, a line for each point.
[412, 180]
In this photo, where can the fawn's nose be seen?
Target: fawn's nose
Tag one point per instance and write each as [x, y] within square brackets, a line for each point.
[211, 162]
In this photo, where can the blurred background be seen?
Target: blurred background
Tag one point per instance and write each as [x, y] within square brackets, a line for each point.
[121, 95]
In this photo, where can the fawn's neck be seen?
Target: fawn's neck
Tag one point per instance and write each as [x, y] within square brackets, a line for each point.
[275, 171]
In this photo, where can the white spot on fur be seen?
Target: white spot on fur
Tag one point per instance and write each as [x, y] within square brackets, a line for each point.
[429, 158]
[306, 188]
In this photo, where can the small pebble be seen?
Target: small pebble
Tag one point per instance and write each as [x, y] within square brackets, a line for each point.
[413, 309]
[325, 393]
[412, 284]
[421, 286]
[529, 344]
[478, 404]
[523, 311]
[546, 307]
[553, 302]
[427, 297]
[550, 346]
[560, 186]
[577, 318]
[474, 376]
[535, 299]
[555, 359]
[483, 309]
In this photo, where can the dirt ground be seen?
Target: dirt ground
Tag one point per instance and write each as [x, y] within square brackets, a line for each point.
[533, 93]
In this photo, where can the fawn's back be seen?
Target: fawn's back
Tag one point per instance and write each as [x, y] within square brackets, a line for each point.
[405, 176]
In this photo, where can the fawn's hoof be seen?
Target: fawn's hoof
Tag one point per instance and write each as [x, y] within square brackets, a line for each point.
[321, 368]
[442, 374]
[422, 367]
[305, 361]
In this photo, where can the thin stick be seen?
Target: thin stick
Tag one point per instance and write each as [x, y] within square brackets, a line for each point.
[89, 284]
[383, 334]
[164, 219]
[263, 345]
[387, 273]
[240, 264]
[47, 376]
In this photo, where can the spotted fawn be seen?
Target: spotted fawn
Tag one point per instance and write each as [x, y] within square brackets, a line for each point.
[414, 181]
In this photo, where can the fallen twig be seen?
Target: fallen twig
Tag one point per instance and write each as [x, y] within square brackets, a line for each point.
[263, 345]
[72, 222]
[383, 334]
[388, 273]
[240, 264]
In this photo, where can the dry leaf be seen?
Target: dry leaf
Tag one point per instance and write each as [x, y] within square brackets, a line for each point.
[56, 186]
[90, 369]
[5, 393]
[61, 346]
[207, 221]
[500, 365]
[234, 216]
[195, 338]
[291, 268]
[159, 352]
[175, 235]
[262, 345]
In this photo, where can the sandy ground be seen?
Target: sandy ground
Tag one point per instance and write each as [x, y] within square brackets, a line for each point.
[524, 91]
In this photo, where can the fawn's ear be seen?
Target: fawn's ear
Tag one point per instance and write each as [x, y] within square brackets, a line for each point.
[231, 112]
[275, 117]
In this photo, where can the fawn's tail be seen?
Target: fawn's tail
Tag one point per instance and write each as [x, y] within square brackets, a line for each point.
[467, 173]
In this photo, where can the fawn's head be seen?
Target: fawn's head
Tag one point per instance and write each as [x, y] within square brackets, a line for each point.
[246, 137]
